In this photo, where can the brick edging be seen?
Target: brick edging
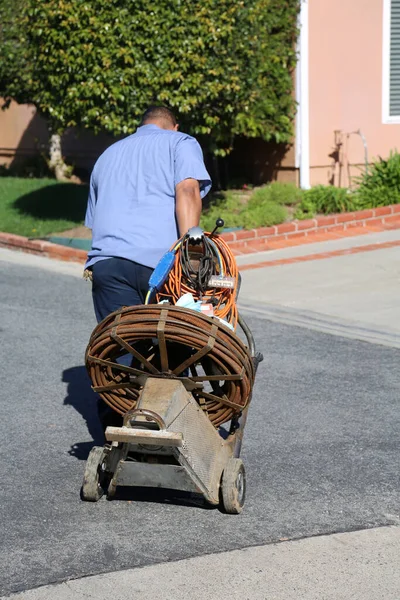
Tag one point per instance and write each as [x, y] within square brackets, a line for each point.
[41, 247]
[385, 217]
[382, 217]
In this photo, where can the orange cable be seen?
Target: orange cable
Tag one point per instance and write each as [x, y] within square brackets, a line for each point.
[175, 286]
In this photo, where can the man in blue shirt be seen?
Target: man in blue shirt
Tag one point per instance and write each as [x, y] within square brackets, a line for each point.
[145, 192]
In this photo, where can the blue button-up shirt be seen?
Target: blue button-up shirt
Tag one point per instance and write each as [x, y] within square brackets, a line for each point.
[131, 206]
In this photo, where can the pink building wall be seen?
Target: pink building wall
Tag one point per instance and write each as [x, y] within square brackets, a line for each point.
[345, 70]
[21, 132]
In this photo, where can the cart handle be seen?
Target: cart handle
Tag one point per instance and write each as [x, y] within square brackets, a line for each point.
[150, 416]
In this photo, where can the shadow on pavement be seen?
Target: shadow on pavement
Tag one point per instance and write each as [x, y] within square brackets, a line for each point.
[84, 401]
[161, 496]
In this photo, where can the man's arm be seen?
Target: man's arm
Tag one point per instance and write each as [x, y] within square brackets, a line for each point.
[91, 203]
[187, 204]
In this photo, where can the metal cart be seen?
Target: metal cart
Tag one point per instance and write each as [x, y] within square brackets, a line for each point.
[168, 442]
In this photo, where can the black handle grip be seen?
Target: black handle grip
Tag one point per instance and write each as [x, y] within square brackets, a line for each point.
[218, 223]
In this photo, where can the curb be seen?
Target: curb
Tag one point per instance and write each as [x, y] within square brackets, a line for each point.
[254, 240]
[42, 248]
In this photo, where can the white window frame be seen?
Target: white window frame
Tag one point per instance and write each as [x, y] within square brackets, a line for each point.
[387, 119]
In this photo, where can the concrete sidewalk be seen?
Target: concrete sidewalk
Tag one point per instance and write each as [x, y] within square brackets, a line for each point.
[16, 258]
[353, 295]
[328, 246]
[362, 565]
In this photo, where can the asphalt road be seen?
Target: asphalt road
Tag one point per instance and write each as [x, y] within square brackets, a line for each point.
[321, 445]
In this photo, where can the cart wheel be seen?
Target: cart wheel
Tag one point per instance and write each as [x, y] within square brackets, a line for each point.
[233, 486]
[95, 479]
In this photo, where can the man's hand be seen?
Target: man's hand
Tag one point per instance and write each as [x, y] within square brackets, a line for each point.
[187, 204]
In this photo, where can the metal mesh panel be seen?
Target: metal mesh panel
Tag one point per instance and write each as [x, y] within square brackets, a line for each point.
[202, 445]
[203, 448]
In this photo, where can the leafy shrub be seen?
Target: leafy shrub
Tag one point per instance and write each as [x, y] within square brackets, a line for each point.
[380, 186]
[259, 211]
[264, 215]
[306, 209]
[325, 199]
[229, 208]
[280, 193]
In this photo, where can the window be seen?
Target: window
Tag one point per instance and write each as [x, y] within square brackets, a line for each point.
[391, 61]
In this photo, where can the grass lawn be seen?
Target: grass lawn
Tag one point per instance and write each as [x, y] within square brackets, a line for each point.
[39, 207]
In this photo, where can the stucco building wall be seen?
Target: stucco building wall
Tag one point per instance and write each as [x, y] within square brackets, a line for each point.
[345, 69]
[23, 133]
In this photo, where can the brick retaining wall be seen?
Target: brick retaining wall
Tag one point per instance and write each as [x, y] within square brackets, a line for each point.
[255, 240]
[313, 230]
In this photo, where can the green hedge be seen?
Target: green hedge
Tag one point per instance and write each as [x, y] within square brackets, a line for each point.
[265, 207]
[226, 68]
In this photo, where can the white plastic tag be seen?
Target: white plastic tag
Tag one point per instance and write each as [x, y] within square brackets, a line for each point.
[218, 281]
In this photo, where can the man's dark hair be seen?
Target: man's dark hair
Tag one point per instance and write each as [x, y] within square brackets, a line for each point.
[153, 113]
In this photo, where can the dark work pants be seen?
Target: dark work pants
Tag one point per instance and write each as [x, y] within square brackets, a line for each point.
[118, 282]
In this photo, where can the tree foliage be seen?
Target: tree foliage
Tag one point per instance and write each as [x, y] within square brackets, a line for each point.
[15, 66]
[224, 66]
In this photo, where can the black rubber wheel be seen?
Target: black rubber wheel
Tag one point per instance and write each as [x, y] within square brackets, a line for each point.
[96, 478]
[233, 486]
